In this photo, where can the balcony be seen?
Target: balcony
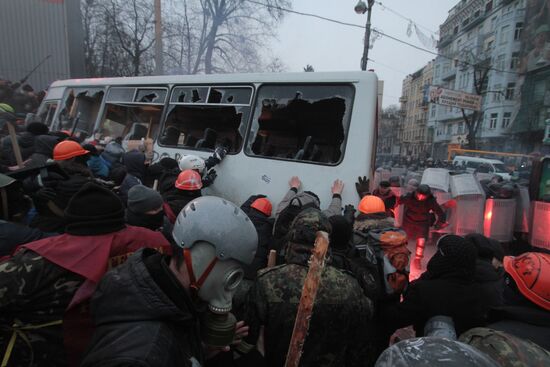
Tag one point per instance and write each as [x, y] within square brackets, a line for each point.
[445, 40]
[448, 74]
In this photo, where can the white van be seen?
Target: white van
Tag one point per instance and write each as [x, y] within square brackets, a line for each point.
[471, 164]
[318, 126]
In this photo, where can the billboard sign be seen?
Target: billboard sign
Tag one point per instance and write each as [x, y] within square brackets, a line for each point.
[454, 98]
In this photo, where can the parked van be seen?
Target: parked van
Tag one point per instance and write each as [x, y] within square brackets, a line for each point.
[474, 164]
[318, 126]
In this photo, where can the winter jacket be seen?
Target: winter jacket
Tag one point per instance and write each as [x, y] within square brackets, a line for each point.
[491, 283]
[143, 317]
[51, 280]
[26, 145]
[128, 182]
[14, 234]
[43, 150]
[335, 207]
[448, 295]
[98, 167]
[178, 199]
[264, 227]
[389, 200]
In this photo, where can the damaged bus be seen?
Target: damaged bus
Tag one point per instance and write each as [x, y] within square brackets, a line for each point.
[318, 126]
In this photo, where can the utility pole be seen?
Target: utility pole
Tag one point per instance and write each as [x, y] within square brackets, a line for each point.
[159, 69]
[362, 8]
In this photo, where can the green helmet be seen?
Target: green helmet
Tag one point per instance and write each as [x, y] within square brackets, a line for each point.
[4, 107]
[506, 349]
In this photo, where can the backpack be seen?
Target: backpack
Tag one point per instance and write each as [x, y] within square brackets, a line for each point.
[390, 248]
[287, 215]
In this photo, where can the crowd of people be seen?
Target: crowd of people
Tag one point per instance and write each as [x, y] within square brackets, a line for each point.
[111, 260]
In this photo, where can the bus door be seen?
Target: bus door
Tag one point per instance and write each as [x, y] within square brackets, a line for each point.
[79, 111]
[132, 114]
[49, 108]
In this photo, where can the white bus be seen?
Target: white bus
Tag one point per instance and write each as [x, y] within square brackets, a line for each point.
[318, 126]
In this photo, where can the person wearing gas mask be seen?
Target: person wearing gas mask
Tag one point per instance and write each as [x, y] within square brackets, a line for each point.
[157, 310]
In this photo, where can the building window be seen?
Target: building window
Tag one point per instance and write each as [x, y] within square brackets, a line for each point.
[514, 63]
[493, 121]
[449, 129]
[488, 6]
[496, 93]
[518, 31]
[455, 30]
[506, 119]
[504, 34]
[489, 45]
[510, 91]
[500, 62]
[461, 128]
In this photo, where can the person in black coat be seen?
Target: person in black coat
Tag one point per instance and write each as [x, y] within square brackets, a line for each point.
[258, 208]
[447, 288]
[489, 272]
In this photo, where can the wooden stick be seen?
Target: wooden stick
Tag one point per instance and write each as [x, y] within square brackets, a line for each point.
[15, 144]
[272, 258]
[309, 292]
[155, 184]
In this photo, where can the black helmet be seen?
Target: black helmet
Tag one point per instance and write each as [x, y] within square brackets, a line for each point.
[424, 189]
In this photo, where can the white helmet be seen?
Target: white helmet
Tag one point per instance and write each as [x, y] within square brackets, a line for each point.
[191, 162]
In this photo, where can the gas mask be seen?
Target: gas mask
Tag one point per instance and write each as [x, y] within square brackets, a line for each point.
[214, 281]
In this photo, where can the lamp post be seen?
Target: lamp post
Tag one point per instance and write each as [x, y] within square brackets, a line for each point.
[362, 8]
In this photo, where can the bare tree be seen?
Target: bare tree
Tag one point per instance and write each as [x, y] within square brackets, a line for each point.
[309, 69]
[276, 65]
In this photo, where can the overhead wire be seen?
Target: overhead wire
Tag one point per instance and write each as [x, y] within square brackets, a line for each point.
[385, 7]
[374, 30]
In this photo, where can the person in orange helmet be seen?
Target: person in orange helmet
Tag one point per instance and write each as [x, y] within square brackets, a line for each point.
[187, 187]
[526, 309]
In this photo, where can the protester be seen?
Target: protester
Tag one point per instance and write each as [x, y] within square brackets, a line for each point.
[136, 170]
[43, 150]
[446, 288]
[173, 306]
[96, 164]
[186, 188]
[47, 283]
[526, 309]
[338, 325]
[144, 208]
[489, 273]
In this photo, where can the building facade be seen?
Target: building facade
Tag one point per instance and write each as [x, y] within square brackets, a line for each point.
[37, 30]
[415, 136]
[480, 43]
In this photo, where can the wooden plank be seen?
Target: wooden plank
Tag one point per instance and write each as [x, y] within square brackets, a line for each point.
[272, 258]
[15, 144]
[309, 293]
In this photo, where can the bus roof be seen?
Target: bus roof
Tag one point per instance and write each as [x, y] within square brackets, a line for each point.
[327, 77]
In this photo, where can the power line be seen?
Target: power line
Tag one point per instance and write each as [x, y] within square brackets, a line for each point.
[374, 30]
[389, 67]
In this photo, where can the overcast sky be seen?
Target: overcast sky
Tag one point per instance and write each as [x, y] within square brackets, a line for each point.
[333, 47]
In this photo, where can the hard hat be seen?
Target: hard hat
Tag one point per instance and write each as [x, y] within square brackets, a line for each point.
[531, 272]
[371, 204]
[263, 205]
[68, 149]
[434, 351]
[506, 349]
[233, 234]
[189, 180]
[191, 162]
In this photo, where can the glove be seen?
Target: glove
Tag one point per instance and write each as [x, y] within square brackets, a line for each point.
[349, 213]
[220, 153]
[362, 186]
[46, 194]
[209, 178]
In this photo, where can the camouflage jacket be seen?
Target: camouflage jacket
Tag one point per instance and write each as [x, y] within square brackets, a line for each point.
[34, 294]
[337, 331]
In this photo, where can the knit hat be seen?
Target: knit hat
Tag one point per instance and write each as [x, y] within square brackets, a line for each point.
[454, 255]
[487, 248]
[142, 199]
[94, 210]
[385, 184]
[37, 128]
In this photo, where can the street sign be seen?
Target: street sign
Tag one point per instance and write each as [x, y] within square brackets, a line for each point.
[454, 98]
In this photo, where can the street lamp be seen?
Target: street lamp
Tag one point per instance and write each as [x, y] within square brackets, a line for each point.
[362, 8]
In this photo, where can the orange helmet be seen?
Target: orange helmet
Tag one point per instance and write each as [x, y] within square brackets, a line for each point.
[68, 149]
[531, 272]
[263, 205]
[189, 180]
[370, 204]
